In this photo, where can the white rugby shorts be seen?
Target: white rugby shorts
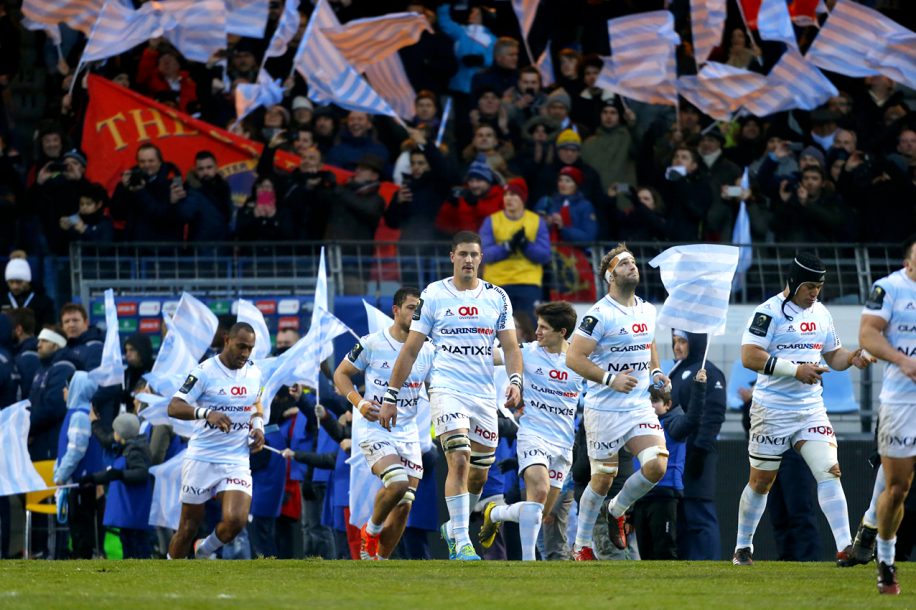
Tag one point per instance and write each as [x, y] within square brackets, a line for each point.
[773, 431]
[201, 481]
[534, 451]
[456, 412]
[897, 430]
[408, 452]
[607, 431]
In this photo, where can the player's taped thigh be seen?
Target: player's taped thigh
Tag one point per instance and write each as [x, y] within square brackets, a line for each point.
[482, 459]
[821, 458]
[457, 441]
[605, 468]
[769, 462]
[651, 453]
[394, 474]
[409, 496]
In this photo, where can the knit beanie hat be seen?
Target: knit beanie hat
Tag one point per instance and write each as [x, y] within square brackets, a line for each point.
[518, 187]
[480, 169]
[569, 139]
[127, 425]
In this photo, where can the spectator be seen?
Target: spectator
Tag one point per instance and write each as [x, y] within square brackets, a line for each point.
[56, 366]
[18, 276]
[286, 338]
[355, 142]
[688, 195]
[430, 63]
[111, 400]
[749, 143]
[559, 108]
[90, 224]
[416, 205]
[473, 49]
[56, 193]
[642, 215]
[487, 142]
[568, 214]
[160, 72]
[302, 111]
[467, 207]
[9, 376]
[149, 200]
[823, 129]
[537, 151]
[25, 348]
[503, 74]
[261, 219]
[810, 213]
[570, 77]
[568, 152]
[516, 246]
[358, 207]
[325, 126]
[612, 150]
[243, 65]
[83, 341]
[207, 207]
[50, 148]
[720, 172]
[130, 491]
[587, 105]
[525, 100]
[742, 52]
[276, 119]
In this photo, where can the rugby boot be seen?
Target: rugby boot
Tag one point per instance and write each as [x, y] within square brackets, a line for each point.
[844, 557]
[489, 529]
[863, 547]
[467, 553]
[449, 541]
[617, 529]
[584, 553]
[743, 557]
[200, 555]
[368, 545]
[887, 579]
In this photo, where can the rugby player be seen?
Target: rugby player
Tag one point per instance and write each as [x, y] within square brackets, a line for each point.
[888, 331]
[546, 429]
[462, 315]
[784, 342]
[614, 349]
[223, 393]
[394, 456]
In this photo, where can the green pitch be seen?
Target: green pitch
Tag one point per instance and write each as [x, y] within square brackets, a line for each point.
[437, 585]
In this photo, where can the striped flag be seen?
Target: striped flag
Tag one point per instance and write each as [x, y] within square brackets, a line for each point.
[389, 78]
[321, 288]
[190, 333]
[707, 18]
[719, 89]
[110, 371]
[246, 17]
[545, 67]
[792, 83]
[859, 41]
[642, 66]
[51, 30]
[774, 23]
[698, 279]
[17, 475]
[376, 318]
[741, 237]
[266, 92]
[286, 30]
[77, 14]
[172, 365]
[331, 79]
[363, 42]
[157, 414]
[195, 323]
[248, 312]
[363, 485]
[525, 11]
[165, 510]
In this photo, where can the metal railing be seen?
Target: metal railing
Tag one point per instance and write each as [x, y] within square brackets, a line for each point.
[358, 268]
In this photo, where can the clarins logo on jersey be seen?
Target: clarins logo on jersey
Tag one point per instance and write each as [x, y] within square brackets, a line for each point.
[906, 328]
[808, 327]
[558, 375]
[630, 348]
[640, 328]
[467, 331]
[816, 346]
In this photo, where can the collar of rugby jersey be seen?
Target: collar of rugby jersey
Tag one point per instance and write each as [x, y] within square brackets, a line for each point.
[450, 286]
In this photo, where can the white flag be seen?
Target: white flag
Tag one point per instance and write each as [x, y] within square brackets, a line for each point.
[364, 42]
[172, 365]
[545, 67]
[195, 323]
[321, 289]
[165, 510]
[157, 414]
[246, 17]
[248, 312]
[17, 475]
[525, 12]
[363, 485]
[741, 237]
[110, 371]
[377, 318]
[77, 14]
[286, 30]
[698, 279]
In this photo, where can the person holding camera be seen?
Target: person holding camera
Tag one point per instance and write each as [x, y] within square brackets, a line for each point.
[525, 100]
[90, 223]
[147, 204]
[688, 194]
[811, 213]
[56, 194]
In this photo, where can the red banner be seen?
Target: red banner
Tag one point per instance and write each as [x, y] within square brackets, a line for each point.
[749, 10]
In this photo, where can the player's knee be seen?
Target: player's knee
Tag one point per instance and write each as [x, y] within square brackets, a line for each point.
[482, 460]
[395, 479]
[821, 458]
[897, 491]
[653, 462]
[410, 494]
[456, 443]
[235, 523]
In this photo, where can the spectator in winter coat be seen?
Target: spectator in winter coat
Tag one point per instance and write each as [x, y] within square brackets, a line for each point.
[474, 45]
[83, 341]
[208, 209]
[612, 150]
[25, 348]
[355, 142]
[55, 194]
[688, 195]
[416, 205]
[357, 206]
[261, 219]
[466, 208]
[90, 224]
[160, 71]
[148, 202]
[570, 217]
[9, 376]
[47, 394]
[21, 294]
[503, 74]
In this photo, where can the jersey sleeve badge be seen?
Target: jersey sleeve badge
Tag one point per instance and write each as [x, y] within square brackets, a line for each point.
[875, 299]
[588, 325]
[417, 311]
[760, 325]
[188, 384]
[353, 356]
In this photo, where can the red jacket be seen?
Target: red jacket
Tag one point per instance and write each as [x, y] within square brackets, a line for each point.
[466, 217]
[151, 82]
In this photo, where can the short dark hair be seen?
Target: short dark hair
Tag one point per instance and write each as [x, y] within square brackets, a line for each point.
[239, 327]
[204, 154]
[24, 317]
[406, 291]
[465, 237]
[659, 395]
[74, 307]
[908, 245]
[95, 192]
[149, 146]
[815, 169]
[559, 314]
[530, 70]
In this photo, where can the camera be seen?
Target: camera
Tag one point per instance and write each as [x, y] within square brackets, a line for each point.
[56, 167]
[137, 178]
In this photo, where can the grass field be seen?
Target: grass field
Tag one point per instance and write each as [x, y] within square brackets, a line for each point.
[266, 584]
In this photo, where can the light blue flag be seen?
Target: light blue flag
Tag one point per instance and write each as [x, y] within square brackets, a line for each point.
[165, 510]
[698, 279]
[321, 289]
[17, 474]
[741, 237]
[774, 22]
[246, 17]
[157, 414]
[286, 30]
[250, 96]
[248, 312]
[110, 371]
[376, 318]
[545, 67]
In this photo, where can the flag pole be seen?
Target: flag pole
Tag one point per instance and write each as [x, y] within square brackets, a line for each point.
[706, 353]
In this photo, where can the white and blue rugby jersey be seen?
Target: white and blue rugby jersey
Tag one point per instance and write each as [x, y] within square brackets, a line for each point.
[893, 299]
[231, 392]
[803, 339]
[624, 338]
[551, 395]
[374, 355]
[462, 325]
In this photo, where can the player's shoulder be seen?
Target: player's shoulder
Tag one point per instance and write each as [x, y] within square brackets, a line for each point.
[494, 290]
[645, 305]
[821, 310]
[772, 306]
[435, 289]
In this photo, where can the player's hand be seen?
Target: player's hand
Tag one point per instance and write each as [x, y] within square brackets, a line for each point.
[369, 409]
[624, 382]
[548, 519]
[288, 453]
[908, 368]
[257, 440]
[388, 415]
[810, 373]
[513, 396]
[861, 359]
[346, 444]
[219, 420]
[660, 379]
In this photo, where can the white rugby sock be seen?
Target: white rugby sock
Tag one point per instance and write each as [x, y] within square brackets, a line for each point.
[635, 487]
[508, 512]
[373, 529]
[473, 499]
[210, 545]
[833, 503]
[529, 524]
[750, 510]
[886, 550]
[589, 507]
[459, 513]
[870, 518]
